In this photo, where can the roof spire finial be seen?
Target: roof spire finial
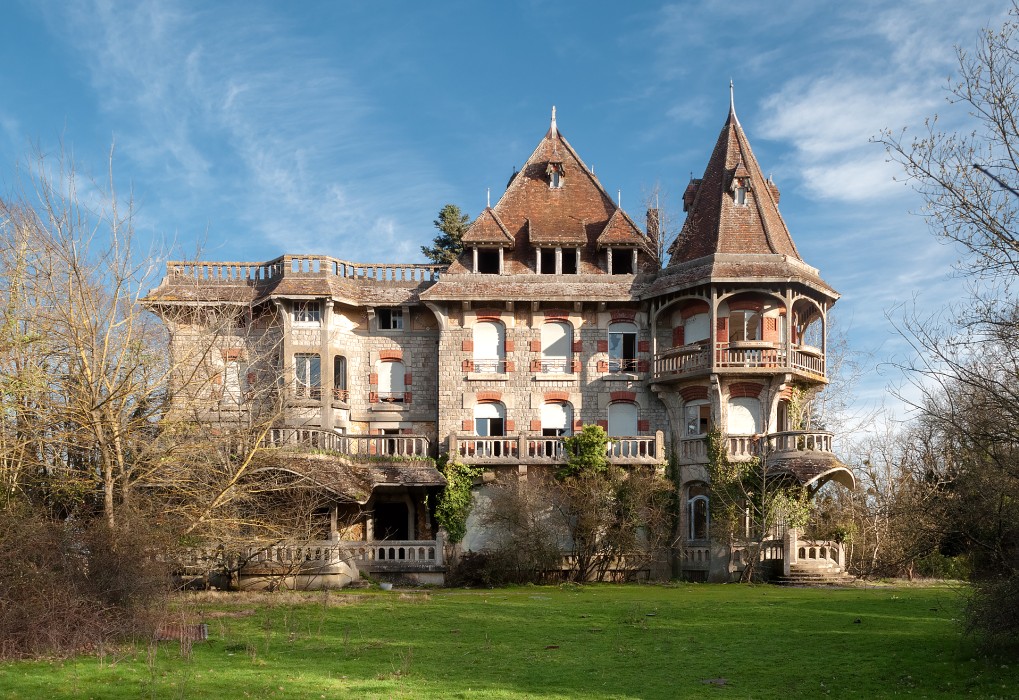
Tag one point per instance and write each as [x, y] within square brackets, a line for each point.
[488, 196]
[552, 129]
[732, 98]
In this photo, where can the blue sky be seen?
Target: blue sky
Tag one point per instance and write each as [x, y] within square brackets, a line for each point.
[249, 129]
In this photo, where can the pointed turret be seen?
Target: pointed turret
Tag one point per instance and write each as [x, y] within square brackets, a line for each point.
[732, 208]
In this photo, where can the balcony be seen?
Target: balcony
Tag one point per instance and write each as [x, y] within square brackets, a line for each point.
[538, 449]
[744, 356]
[301, 439]
[694, 450]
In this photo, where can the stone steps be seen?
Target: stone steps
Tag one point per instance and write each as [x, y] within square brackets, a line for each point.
[833, 576]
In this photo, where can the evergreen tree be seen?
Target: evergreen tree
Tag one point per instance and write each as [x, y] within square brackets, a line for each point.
[447, 246]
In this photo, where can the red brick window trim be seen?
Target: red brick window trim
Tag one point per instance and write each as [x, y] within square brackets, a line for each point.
[488, 314]
[484, 396]
[385, 355]
[556, 315]
[699, 307]
[694, 393]
[630, 396]
[623, 315]
[557, 396]
[745, 390]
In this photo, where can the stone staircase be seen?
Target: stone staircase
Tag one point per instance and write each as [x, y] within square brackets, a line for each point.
[816, 574]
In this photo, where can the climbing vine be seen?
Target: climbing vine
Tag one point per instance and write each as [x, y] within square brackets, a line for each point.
[454, 505]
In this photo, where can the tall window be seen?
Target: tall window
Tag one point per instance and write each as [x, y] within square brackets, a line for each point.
[556, 419]
[307, 312]
[569, 261]
[308, 375]
[622, 419]
[234, 382]
[490, 419]
[489, 346]
[744, 325]
[391, 381]
[622, 347]
[547, 260]
[556, 347]
[698, 418]
[390, 319]
[339, 378]
[696, 328]
[744, 416]
[698, 512]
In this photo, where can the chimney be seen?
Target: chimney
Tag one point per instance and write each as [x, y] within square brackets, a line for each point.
[653, 223]
[690, 194]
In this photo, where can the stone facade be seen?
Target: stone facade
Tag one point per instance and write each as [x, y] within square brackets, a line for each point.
[556, 315]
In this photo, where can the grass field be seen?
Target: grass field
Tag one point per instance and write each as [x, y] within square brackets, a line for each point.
[670, 641]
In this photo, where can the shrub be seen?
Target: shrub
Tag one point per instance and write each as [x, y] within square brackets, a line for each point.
[992, 614]
[71, 586]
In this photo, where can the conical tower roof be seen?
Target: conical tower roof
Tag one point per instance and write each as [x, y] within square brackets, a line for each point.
[733, 231]
[720, 219]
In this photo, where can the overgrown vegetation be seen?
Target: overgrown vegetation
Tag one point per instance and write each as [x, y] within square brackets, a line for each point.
[591, 521]
[750, 503]
[455, 504]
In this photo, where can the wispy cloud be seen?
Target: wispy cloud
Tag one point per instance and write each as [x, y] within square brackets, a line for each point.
[239, 103]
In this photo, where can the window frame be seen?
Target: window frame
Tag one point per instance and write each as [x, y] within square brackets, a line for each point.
[307, 375]
[393, 316]
[306, 312]
[620, 364]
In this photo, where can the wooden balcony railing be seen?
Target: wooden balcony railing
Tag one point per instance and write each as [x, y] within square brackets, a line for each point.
[687, 359]
[746, 355]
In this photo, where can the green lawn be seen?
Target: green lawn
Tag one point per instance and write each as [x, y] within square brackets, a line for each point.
[670, 641]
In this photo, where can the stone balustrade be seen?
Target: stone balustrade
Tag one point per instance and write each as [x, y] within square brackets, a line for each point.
[799, 441]
[527, 448]
[349, 445]
[302, 266]
[391, 555]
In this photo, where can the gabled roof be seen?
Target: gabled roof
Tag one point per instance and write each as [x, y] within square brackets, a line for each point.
[488, 228]
[620, 230]
[715, 223]
[574, 213]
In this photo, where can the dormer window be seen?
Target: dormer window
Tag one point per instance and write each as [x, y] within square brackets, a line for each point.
[556, 174]
[740, 187]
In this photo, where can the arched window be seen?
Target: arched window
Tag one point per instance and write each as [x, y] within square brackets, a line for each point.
[697, 417]
[556, 347]
[696, 328]
[698, 514]
[744, 325]
[622, 347]
[489, 347]
[622, 419]
[490, 419]
[744, 416]
[557, 419]
[391, 381]
[339, 378]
